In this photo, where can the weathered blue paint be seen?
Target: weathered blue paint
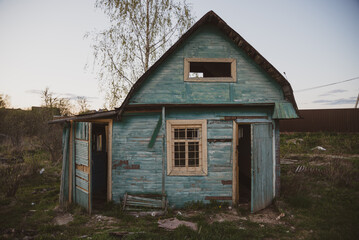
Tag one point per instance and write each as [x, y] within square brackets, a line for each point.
[81, 130]
[82, 198]
[82, 175]
[155, 132]
[82, 152]
[130, 146]
[284, 110]
[262, 166]
[82, 157]
[166, 84]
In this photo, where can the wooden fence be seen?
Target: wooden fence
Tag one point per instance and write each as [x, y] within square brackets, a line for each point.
[323, 120]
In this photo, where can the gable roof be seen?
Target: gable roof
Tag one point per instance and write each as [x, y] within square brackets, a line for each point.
[213, 19]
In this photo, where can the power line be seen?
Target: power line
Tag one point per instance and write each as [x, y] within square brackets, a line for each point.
[326, 85]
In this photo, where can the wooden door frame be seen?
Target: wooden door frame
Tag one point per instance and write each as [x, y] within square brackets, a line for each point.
[235, 180]
[235, 173]
[109, 157]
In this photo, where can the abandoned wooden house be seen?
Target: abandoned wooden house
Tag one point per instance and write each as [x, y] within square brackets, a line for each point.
[201, 124]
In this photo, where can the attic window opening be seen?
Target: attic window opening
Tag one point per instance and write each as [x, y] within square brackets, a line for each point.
[210, 70]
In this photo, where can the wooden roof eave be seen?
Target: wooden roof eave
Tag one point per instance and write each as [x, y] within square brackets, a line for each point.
[86, 117]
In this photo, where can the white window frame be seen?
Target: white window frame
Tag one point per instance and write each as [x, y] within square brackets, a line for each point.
[232, 61]
[201, 170]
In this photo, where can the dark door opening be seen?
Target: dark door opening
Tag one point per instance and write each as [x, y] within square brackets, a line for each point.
[244, 163]
[99, 164]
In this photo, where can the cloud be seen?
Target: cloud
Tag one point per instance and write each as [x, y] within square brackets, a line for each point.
[71, 96]
[350, 100]
[334, 92]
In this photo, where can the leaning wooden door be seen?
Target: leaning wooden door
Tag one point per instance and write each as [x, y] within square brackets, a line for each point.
[82, 189]
[262, 166]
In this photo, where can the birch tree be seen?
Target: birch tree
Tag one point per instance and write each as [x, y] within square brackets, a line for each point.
[140, 31]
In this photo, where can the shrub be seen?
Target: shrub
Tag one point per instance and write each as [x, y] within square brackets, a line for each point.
[10, 177]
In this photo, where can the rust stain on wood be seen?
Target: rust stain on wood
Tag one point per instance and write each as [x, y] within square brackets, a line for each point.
[227, 182]
[120, 163]
[133, 166]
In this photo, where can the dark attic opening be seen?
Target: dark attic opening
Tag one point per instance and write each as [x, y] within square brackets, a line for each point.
[210, 69]
[99, 164]
[244, 163]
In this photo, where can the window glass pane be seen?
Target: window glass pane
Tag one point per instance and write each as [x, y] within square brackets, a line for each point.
[192, 133]
[193, 154]
[180, 154]
[180, 133]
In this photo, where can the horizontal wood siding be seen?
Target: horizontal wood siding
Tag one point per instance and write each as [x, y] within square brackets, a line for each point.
[82, 197]
[166, 84]
[82, 152]
[135, 167]
[130, 141]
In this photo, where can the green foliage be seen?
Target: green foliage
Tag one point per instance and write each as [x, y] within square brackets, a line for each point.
[30, 130]
[140, 32]
[10, 177]
[34, 161]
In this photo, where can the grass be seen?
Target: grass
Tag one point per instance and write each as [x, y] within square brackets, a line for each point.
[334, 143]
[322, 204]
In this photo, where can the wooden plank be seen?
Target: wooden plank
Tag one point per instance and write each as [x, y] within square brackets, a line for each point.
[83, 175]
[82, 197]
[235, 175]
[155, 132]
[82, 153]
[71, 162]
[262, 166]
[109, 162]
[226, 182]
[81, 130]
[218, 140]
[163, 118]
[82, 183]
[218, 198]
[89, 165]
[229, 118]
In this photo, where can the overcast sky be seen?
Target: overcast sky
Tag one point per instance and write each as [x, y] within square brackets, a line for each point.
[314, 41]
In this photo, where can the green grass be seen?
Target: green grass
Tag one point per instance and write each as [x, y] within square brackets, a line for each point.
[334, 143]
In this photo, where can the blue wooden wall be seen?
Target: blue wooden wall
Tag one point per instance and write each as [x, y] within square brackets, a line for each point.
[136, 168]
[166, 84]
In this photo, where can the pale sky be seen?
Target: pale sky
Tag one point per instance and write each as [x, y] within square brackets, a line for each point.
[316, 42]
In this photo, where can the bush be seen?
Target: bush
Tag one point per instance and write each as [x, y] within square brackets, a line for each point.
[10, 177]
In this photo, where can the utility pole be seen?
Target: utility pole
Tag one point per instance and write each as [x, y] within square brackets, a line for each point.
[356, 104]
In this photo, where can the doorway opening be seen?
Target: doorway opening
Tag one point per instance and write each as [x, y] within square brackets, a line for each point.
[244, 163]
[99, 165]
